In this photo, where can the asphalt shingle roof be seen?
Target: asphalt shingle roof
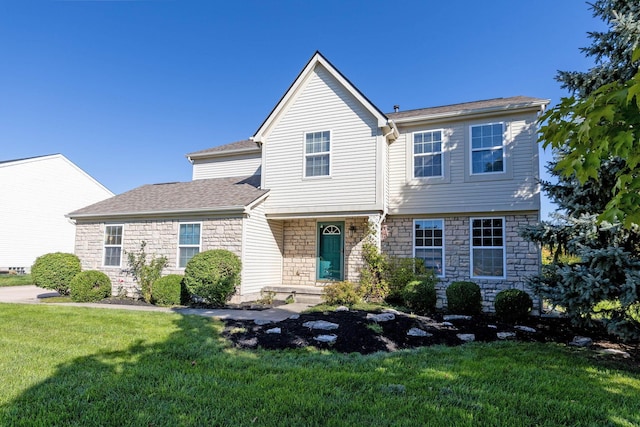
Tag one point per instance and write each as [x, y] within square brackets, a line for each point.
[244, 145]
[199, 195]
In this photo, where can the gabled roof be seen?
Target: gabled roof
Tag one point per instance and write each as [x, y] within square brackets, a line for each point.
[221, 195]
[29, 158]
[466, 108]
[239, 147]
[318, 60]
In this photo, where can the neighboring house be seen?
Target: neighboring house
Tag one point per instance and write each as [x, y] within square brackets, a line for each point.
[37, 193]
[450, 185]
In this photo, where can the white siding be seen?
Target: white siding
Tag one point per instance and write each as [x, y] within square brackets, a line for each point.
[224, 167]
[355, 183]
[458, 191]
[262, 252]
[37, 194]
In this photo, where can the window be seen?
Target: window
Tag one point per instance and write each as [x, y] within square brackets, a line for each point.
[487, 148]
[427, 154]
[188, 243]
[428, 244]
[112, 245]
[487, 247]
[316, 153]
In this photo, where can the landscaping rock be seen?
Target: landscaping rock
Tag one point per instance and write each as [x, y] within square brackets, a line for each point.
[329, 339]
[261, 322]
[342, 308]
[466, 337]
[446, 324]
[615, 352]
[274, 331]
[417, 332]
[450, 317]
[322, 325]
[294, 317]
[525, 329]
[381, 317]
[390, 310]
[506, 335]
[492, 327]
[581, 341]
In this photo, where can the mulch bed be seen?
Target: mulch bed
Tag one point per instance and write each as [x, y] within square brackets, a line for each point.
[358, 334]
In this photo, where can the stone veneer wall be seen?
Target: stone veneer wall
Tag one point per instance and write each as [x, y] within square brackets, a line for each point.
[162, 239]
[300, 237]
[523, 258]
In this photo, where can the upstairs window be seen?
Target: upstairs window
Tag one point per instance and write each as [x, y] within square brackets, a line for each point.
[112, 245]
[487, 247]
[188, 242]
[317, 149]
[428, 244]
[487, 148]
[427, 154]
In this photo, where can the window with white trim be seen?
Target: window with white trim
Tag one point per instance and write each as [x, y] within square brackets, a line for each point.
[317, 148]
[428, 243]
[188, 242]
[487, 148]
[487, 247]
[112, 245]
[427, 154]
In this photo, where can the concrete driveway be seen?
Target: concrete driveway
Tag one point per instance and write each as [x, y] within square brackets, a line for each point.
[24, 294]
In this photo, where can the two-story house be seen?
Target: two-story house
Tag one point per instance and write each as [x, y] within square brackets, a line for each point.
[450, 185]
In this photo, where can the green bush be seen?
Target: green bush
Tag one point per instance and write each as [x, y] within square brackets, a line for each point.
[213, 275]
[55, 271]
[341, 293]
[90, 286]
[512, 305]
[420, 295]
[400, 272]
[168, 290]
[464, 298]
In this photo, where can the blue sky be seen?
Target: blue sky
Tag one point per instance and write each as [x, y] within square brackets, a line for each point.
[125, 89]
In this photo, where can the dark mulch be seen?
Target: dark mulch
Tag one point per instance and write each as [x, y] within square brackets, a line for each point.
[358, 334]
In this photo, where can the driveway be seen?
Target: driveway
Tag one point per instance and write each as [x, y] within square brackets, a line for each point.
[24, 294]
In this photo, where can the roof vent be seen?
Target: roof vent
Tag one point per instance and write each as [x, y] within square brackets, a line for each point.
[396, 108]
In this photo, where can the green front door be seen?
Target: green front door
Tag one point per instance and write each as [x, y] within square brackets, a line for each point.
[329, 263]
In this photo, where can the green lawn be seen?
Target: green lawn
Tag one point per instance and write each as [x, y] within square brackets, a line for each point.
[73, 366]
[15, 279]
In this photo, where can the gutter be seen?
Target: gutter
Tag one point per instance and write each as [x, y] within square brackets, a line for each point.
[215, 154]
[223, 210]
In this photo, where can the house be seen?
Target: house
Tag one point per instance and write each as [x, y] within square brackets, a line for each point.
[450, 185]
[37, 193]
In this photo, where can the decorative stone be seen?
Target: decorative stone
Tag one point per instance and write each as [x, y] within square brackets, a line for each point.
[615, 352]
[581, 341]
[506, 335]
[274, 331]
[390, 310]
[294, 317]
[417, 332]
[382, 317]
[342, 308]
[261, 322]
[322, 325]
[525, 329]
[447, 324]
[450, 317]
[492, 327]
[466, 337]
[329, 339]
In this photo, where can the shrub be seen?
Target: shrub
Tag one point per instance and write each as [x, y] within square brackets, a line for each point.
[513, 304]
[373, 284]
[167, 290]
[145, 273]
[420, 295]
[464, 298]
[90, 286]
[55, 271]
[213, 275]
[341, 293]
[400, 272]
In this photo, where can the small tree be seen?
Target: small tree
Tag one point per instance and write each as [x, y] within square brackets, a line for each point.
[145, 273]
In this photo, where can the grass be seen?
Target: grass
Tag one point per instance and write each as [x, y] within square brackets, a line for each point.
[15, 279]
[76, 366]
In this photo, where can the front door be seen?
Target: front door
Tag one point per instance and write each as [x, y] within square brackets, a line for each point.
[330, 260]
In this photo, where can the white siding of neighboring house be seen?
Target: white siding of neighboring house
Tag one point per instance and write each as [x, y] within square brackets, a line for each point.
[356, 181]
[517, 189]
[223, 167]
[37, 194]
[262, 252]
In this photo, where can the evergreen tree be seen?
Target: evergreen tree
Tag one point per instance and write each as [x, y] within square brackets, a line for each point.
[605, 283]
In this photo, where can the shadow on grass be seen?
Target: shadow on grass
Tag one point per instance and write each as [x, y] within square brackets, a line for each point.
[194, 378]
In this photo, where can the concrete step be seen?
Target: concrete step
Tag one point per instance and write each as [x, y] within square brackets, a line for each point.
[302, 294]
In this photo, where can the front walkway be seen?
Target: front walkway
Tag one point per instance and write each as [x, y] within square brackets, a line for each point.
[32, 294]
